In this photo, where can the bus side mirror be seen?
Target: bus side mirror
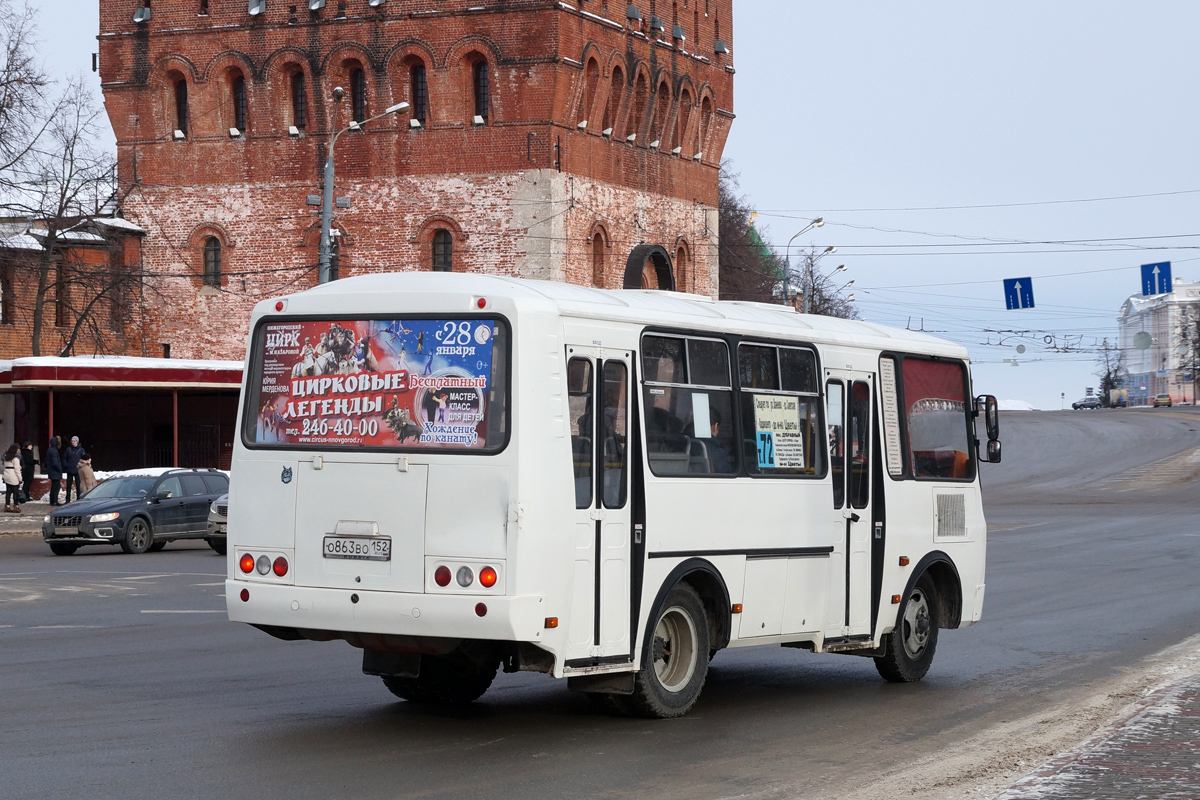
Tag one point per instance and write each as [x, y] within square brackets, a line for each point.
[993, 451]
[991, 416]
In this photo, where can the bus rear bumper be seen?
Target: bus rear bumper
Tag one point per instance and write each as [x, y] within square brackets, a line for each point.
[514, 619]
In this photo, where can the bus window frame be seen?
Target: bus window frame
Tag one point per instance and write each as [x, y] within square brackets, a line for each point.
[731, 389]
[905, 449]
[819, 395]
[254, 365]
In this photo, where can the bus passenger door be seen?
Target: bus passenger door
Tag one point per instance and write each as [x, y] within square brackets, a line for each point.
[599, 396]
[851, 439]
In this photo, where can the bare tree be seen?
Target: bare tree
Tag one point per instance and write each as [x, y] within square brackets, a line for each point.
[821, 287]
[749, 268]
[23, 85]
[60, 184]
[1110, 363]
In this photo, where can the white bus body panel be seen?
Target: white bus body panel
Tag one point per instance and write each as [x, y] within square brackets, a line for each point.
[515, 509]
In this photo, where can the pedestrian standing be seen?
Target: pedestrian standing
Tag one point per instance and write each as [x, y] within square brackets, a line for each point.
[53, 465]
[87, 478]
[28, 469]
[70, 463]
[12, 478]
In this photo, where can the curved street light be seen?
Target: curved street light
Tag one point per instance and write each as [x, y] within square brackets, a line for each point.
[808, 290]
[327, 192]
[787, 281]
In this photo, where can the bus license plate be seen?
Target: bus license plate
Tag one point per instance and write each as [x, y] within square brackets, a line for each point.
[358, 548]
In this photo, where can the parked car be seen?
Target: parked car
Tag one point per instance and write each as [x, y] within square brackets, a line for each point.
[1163, 400]
[1087, 402]
[139, 510]
[218, 517]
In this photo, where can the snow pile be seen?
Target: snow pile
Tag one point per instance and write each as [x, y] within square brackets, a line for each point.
[1015, 405]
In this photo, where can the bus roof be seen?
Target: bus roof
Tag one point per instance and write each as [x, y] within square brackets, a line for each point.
[657, 308]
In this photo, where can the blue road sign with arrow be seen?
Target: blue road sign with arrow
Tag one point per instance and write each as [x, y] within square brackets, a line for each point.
[1156, 278]
[1018, 293]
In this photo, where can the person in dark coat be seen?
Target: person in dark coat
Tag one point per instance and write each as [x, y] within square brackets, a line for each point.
[70, 462]
[28, 468]
[54, 470]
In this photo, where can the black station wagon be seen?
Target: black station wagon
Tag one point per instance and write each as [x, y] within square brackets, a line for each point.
[140, 510]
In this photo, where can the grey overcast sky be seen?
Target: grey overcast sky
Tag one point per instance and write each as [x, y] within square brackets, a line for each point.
[867, 113]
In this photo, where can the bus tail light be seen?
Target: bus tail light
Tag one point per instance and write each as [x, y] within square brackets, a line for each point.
[263, 565]
[247, 563]
[480, 610]
[487, 577]
[465, 578]
[442, 576]
[280, 566]
[245, 595]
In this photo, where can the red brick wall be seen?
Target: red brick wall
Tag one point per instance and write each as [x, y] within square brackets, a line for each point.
[523, 195]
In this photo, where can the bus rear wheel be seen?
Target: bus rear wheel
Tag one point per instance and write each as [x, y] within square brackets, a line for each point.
[908, 650]
[675, 664]
[444, 680]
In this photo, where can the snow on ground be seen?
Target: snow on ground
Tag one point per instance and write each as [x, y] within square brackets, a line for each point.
[1015, 405]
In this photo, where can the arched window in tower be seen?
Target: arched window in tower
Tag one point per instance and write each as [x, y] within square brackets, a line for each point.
[598, 260]
[212, 261]
[181, 105]
[241, 110]
[637, 112]
[662, 108]
[706, 120]
[616, 94]
[299, 100]
[419, 91]
[443, 251]
[681, 119]
[591, 80]
[482, 84]
[358, 93]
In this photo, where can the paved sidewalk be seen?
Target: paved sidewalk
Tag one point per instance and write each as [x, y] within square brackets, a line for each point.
[1152, 753]
[26, 522]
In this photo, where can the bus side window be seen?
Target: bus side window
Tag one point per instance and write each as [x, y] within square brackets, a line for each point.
[860, 444]
[613, 424]
[837, 449]
[579, 398]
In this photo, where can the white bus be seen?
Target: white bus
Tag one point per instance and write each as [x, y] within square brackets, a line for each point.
[458, 473]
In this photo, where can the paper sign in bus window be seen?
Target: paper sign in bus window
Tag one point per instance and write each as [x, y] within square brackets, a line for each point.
[778, 438]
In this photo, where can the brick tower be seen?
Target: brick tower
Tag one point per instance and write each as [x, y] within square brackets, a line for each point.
[575, 141]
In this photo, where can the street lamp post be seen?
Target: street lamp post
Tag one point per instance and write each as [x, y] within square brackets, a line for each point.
[787, 280]
[811, 285]
[327, 192]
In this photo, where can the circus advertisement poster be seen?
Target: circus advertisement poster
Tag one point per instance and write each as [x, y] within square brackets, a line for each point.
[375, 383]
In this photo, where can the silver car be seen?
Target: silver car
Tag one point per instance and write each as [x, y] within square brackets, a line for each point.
[218, 515]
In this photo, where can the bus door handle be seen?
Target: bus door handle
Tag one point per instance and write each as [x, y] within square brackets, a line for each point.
[850, 515]
[597, 513]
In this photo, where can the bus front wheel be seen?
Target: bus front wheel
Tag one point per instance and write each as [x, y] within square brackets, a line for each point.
[908, 650]
[675, 664]
[444, 679]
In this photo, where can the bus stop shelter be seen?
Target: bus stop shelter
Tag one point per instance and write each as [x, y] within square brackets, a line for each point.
[128, 412]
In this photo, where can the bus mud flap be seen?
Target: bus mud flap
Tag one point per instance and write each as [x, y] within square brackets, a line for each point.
[391, 664]
[611, 683]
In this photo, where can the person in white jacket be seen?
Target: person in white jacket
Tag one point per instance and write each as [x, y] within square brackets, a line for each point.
[12, 478]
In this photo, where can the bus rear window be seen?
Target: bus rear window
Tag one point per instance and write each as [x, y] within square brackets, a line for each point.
[410, 384]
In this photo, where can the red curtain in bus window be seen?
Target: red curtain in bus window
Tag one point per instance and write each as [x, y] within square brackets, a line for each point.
[936, 412]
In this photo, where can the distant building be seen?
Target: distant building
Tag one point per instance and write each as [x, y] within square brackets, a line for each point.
[572, 141]
[1168, 365]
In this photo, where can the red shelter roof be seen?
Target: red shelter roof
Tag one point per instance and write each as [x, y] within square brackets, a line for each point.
[116, 372]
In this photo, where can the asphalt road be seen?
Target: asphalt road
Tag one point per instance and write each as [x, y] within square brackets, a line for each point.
[122, 678]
